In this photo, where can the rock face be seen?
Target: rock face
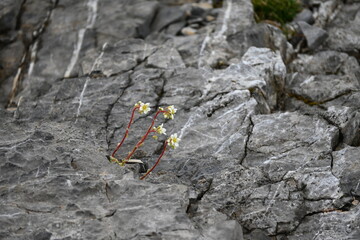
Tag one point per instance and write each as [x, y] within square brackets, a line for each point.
[314, 36]
[270, 132]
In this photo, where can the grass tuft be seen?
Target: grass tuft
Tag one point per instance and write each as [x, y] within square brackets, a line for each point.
[281, 11]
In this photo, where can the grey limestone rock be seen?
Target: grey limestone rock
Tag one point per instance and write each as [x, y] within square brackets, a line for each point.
[338, 73]
[305, 16]
[11, 57]
[343, 33]
[325, 63]
[165, 16]
[230, 229]
[166, 58]
[262, 36]
[258, 234]
[262, 137]
[117, 58]
[321, 88]
[347, 170]
[272, 69]
[264, 150]
[294, 185]
[348, 121]
[8, 14]
[34, 18]
[117, 20]
[234, 17]
[324, 11]
[314, 36]
[331, 225]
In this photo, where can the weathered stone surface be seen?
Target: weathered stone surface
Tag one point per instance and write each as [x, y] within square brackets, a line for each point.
[117, 58]
[261, 156]
[305, 16]
[262, 36]
[165, 16]
[338, 73]
[113, 216]
[343, 33]
[34, 17]
[228, 230]
[321, 88]
[347, 170]
[234, 17]
[324, 11]
[165, 58]
[274, 78]
[325, 63]
[215, 50]
[11, 58]
[331, 225]
[8, 14]
[117, 20]
[257, 234]
[283, 136]
[295, 184]
[314, 36]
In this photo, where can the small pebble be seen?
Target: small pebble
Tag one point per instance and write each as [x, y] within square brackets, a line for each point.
[188, 31]
[203, 5]
[210, 18]
[194, 26]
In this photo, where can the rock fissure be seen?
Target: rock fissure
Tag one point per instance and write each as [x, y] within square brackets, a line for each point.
[108, 114]
[18, 17]
[107, 188]
[249, 132]
[161, 93]
[28, 56]
[28, 210]
[311, 102]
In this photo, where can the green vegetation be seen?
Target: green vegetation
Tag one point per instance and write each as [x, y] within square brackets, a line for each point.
[281, 11]
[217, 3]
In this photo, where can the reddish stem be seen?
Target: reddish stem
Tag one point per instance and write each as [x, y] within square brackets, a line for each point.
[127, 131]
[157, 162]
[145, 136]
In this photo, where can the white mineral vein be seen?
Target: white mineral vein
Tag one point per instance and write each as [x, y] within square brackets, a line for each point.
[10, 215]
[225, 19]
[202, 49]
[357, 186]
[188, 123]
[272, 201]
[92, 5]
[34, 48]
[81, 98]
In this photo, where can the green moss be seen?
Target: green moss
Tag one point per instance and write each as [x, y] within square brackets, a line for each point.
[281, 11]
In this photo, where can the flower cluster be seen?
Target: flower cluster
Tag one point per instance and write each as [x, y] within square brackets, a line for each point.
[169, 112]
[172, 141]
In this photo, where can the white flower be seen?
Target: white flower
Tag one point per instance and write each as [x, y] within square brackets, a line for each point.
[173, 141]
[144, 108]
[170, 112]
[160, 129]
